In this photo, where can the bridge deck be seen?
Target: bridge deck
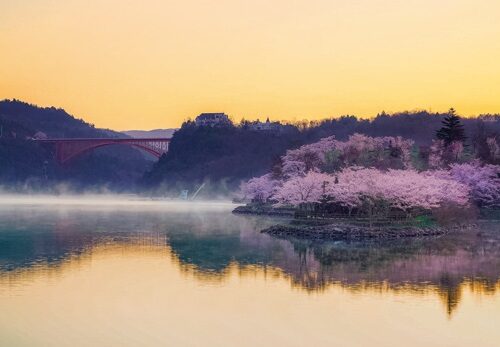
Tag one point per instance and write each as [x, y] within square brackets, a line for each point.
[68, 148]
[152, 139]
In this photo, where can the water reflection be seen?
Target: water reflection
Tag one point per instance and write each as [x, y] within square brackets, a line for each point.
[212, 246]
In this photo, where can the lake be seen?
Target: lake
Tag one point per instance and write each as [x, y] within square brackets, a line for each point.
[108, 271]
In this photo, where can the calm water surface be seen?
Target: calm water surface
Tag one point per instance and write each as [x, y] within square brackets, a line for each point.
[107, 272]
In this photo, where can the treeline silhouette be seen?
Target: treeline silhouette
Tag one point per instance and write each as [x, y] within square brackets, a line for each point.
[219, 156]
[420, 126]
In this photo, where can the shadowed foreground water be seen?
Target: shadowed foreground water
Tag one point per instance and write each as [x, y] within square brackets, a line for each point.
[132, 273]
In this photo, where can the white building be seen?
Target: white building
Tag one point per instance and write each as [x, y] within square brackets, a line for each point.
[212, 119]
[264, 126]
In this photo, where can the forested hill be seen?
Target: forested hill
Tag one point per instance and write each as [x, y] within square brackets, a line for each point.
[223, 156]
[26, 164]
[55, 122]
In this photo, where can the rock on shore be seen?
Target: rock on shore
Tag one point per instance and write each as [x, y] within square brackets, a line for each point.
[268, 210]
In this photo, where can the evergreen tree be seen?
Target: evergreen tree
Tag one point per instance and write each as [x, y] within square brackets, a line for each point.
[452, 129]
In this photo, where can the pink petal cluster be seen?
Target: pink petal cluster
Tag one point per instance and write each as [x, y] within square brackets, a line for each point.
[436, 154]
[302, 189]
[440, 155]
[493, 147]
[298, 162]
[259, 188]
[401, 189]
[483, 181]
[357, 150]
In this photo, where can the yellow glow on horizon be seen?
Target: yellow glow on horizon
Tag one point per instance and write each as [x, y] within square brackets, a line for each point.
[127, 64]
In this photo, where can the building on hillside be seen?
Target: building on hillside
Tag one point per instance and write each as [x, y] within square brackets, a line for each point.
[491, 118]
[264, 126]
[212, 119]
[40, 135]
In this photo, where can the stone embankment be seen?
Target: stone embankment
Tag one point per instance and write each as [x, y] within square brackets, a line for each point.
[341, 230]
[352, 233]
[268, 210]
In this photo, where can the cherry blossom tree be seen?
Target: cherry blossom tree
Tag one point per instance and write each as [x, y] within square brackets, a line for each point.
[442, 155]
[409, 189]
[303, 189]
[299, 161]
[359, 150]
[260, 189]
[483, 181]
[355, 186]
[493, 148]
[402, 189]
[307, 179]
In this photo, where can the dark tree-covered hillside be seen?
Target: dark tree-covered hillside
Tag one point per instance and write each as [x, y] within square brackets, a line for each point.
[26, 164]
[54, 122]
[221, 155]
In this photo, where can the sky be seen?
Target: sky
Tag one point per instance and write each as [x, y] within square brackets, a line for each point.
[127, 64]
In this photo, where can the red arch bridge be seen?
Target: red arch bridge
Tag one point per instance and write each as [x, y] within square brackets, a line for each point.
[66, 149]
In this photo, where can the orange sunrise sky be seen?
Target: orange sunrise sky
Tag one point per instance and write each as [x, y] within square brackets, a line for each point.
[128, 64]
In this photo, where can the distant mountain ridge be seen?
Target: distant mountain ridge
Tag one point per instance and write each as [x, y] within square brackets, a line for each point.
[154, 133]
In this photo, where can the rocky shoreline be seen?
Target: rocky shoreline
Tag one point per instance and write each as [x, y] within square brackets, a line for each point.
[339, 230]
[344, 232]
[267, 210]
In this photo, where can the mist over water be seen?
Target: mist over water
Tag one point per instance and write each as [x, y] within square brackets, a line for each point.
[115, 200]
[125, 270]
